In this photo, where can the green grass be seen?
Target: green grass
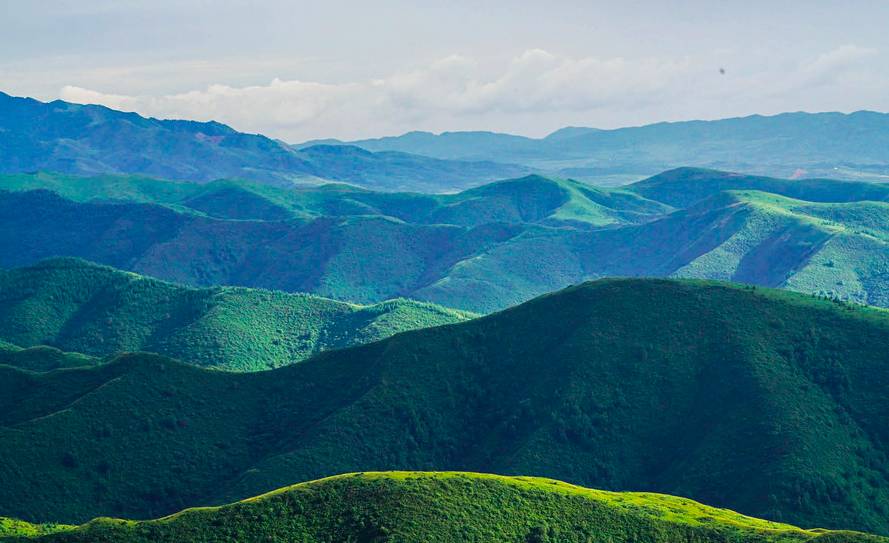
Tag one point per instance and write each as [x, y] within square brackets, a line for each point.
[14, 529]
[445, 506]
[77, 306]
[763, 401]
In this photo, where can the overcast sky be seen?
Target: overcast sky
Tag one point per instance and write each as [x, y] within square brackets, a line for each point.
[352, 69]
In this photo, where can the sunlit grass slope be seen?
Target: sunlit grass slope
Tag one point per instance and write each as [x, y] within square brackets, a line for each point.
[421, 507]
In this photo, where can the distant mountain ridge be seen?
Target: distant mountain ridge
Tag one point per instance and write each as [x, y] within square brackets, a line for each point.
[481, 250]
[836, 145]
[90, 139]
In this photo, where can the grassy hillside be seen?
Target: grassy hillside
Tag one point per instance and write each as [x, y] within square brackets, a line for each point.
[835, 249]
[449, 506]
[767, 402]
[90, 140]
[78, 306]
[482, 250]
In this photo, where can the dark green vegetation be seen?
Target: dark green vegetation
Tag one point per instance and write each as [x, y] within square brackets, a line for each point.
[853, 146]
[482, 249]
[417, 507]
[77, 306]
[71, 138]
[767, 402]
[42, 357]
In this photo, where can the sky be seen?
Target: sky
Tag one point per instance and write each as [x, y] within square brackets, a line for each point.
[353, 69]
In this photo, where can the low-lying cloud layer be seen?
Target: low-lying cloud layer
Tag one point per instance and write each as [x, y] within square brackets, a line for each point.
[533, 92]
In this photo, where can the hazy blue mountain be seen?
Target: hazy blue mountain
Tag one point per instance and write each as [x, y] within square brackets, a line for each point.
[88, 139]
[837, 145]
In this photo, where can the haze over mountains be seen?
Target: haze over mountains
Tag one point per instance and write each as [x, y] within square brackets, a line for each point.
[846, 146]
[87, 139]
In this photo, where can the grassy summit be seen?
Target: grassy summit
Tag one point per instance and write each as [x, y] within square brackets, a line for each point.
[443, 506]
[767, 402]
[74, 305]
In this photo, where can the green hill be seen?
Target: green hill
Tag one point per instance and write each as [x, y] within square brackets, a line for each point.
[766, 402]
[421, 507]
[684, 187]
[530, 199]
[77, 306]
[836, 249]
[481, 250]
[42, 358]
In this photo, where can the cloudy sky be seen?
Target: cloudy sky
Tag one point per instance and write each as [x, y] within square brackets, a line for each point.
[352, 69]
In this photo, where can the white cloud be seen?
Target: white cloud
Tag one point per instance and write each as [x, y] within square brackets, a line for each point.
[458, 92]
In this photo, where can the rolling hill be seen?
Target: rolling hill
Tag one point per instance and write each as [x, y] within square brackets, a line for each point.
[530, 199]
[418, 507]
[88, 139]
[77, 306]
[763, 401]
[837, 145]
[481, 250]
[42, 357]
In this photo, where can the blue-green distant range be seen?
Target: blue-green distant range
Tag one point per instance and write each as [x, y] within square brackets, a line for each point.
[481, 250]
[88, 139]
[767, 402]
[836, 145]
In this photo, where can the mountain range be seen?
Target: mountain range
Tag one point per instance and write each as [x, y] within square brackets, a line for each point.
[480, 250]
[416, 507]
[848, 146]
[73, 305]
[767, 402]
[88, 139]
[218, 336]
